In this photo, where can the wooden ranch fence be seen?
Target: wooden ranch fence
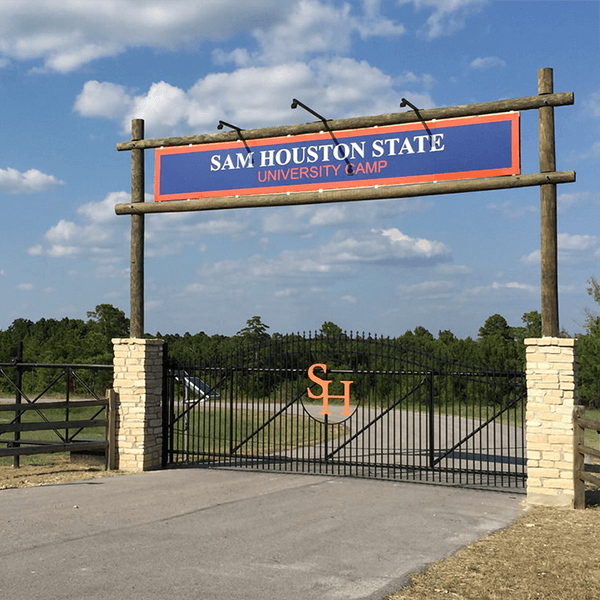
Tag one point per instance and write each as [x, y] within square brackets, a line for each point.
[581, 476]
[37, 424]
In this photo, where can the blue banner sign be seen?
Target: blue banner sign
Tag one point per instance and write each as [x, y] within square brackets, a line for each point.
[463, 148]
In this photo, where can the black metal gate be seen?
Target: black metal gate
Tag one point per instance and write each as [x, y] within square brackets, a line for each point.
[402, 413]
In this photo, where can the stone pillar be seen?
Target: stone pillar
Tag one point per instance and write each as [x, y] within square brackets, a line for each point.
[138, 379]
[551, 399]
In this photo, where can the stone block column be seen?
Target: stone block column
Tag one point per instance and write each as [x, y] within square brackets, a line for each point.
[138, 380]
[551, 399]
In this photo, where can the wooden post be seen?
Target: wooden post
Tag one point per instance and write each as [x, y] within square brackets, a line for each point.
[137, 235]
[578, 460]
[111, 430]
[18, 397]
[549, 246]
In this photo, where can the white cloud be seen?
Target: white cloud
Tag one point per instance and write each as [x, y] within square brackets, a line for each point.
[171, 233]
[309, 31]
[31, 181]
[99, 234]
[25, 287]
[593, 104]
[341, 254]
[533, 258]
[577, 243]
[64, 35]
[336, 88]
[316, 27]
[572, 249]
[164, 104]
[104, 99]
[512, 210]
[453, 269]
[406, 246]
[485, 63]
[286, 293]
[67, 34]
[514, 285]
[448, 16]
[103, 211]
[303, 220]
[502, 287]
[240, 57]
[427, 289]
[111, 271]
[567, 201]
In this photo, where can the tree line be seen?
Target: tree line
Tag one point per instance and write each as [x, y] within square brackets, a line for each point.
[498, 344]
[89, 341]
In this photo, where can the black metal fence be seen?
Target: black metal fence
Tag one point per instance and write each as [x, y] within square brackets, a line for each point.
[358, 406]
[49, 408]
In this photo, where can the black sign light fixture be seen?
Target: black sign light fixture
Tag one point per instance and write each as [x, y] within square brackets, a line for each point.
[296, 103]
[238, 130]
[404, 103]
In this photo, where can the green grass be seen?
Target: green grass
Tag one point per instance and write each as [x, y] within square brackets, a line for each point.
[483, 412]
[591, 438]
[51, 415]
[211, 430]
[513, 416]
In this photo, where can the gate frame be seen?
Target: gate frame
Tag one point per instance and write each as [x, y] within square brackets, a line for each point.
[413, 368]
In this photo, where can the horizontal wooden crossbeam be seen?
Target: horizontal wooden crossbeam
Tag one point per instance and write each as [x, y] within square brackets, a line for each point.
[351, 195]
[449, 112]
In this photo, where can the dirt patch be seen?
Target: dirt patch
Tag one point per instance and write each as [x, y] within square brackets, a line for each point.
[58, 469]
[547, 554]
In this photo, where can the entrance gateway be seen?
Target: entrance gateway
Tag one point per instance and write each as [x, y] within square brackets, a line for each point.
[421, 152]
[374, 408]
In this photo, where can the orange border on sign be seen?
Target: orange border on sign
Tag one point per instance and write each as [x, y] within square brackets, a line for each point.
[514, 169]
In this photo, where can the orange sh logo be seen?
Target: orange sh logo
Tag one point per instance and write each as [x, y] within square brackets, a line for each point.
[325, 395]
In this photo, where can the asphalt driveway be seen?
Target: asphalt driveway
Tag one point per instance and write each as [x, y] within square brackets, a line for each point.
[232, 535]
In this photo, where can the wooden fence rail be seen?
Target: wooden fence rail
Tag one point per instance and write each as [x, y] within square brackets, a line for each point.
[581, 476]
[19, 446]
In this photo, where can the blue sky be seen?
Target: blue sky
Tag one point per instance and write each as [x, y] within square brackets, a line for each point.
[73, 74]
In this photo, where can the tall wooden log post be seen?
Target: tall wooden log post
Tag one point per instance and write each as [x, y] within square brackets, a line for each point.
[137, 234]
[549, 246]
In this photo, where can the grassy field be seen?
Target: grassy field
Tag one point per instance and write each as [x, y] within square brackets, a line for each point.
[51, 415]
[212, 429]
[591, 437]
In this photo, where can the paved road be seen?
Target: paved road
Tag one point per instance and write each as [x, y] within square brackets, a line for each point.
[231, 535]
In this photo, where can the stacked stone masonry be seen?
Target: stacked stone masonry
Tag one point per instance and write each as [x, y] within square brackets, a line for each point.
[551, 399]
[138, 377]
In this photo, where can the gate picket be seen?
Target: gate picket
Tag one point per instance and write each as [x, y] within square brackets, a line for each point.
[410, 415]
